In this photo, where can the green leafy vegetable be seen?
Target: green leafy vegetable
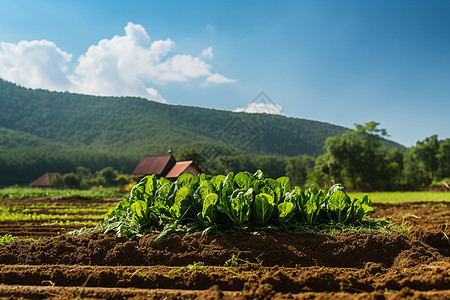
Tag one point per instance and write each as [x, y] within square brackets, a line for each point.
[264, 204]
[339, 205]
[205, 203]
[209, 207]
[285, 211]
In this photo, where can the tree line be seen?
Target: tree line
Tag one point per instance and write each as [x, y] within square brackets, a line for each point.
[84, 178]
[358, 158]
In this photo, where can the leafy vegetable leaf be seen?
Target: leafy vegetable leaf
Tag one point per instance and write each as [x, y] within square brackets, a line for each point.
[285, 184]
[285, 211]
[264, 205]
[207, 188]
[185, 179]
[240, 209]
[335, 188]
[182, 203]
[140, 213]
[339, 205]
[360, 209]
[209, 206]
[243, 180]
[259, 175]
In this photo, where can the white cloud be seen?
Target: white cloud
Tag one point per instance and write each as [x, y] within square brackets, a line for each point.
[186, 66]
[122, 66]
[35, 64]
[207, 53]
[128, 65]
[217, 79]
[267, 108]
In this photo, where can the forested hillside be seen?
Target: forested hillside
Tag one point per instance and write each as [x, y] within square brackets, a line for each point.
[23, 157]
[44, 131]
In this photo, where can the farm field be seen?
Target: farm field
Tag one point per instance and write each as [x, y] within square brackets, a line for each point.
[413, 263]
[47, 217]
[29, 193]
[400, 197]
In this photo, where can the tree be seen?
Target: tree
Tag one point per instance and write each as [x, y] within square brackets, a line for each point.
[83, 172]
[122, 180]
[236, 163]
[397, 156]
[362, 157]
[395, 167]
[57, 181]
[192, 154]
[443, 158]
[298, 168]
[426, 151]
[109, 175]
[71, 180]
[326, 171]
[414, 174]
[272, 166]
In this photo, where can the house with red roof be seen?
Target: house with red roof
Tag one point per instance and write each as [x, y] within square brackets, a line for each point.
[165, 166]
[44, 181]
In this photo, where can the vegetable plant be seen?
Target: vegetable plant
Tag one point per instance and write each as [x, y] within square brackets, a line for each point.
[241, 201]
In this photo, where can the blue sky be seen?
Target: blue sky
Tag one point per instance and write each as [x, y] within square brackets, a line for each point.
[341, 62]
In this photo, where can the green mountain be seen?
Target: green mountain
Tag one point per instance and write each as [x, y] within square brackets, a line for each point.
[43, 131]
[24, 157]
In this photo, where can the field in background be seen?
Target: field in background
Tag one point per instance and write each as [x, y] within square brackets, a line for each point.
[29, 193]
[43, 217]
[401, 197]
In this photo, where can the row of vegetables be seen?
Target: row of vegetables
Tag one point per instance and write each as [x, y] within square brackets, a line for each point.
[243, 200]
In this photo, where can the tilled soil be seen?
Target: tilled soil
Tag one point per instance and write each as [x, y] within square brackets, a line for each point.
[413, 265]
[46, 228]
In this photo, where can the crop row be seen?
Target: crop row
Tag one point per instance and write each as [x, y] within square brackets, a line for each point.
[244, 200]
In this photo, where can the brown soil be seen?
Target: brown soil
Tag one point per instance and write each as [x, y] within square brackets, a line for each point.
[413, 265]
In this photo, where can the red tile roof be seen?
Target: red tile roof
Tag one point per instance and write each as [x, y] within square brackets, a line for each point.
[180, 168]
[44, 181]
[158, 165]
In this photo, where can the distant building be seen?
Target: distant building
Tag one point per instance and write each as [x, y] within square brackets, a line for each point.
[165, 166]
[158, 165]
[44, 181]
[182, 167]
